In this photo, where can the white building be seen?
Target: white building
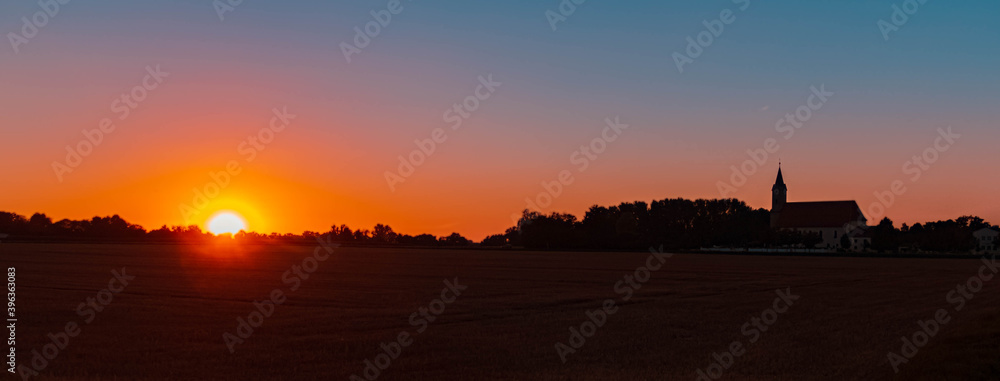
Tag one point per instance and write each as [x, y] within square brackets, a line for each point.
[987, 239]
[831, 219]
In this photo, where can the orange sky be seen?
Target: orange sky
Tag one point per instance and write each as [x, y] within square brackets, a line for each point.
[308, 179]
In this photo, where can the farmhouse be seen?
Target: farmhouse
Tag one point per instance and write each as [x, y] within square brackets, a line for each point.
[988, 240]
[831, 219]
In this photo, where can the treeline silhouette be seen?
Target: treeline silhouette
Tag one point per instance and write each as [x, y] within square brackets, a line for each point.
[681, 224]
[676, 224]
[941, 236]
[40, 228]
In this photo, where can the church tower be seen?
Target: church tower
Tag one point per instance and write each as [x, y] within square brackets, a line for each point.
[779, 197]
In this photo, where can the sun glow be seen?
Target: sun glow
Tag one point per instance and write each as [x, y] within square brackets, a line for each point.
[226, 222]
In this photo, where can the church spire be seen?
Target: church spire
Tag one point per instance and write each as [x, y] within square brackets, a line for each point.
[780, 182]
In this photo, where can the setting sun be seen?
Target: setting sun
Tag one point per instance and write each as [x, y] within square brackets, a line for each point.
[226, 222]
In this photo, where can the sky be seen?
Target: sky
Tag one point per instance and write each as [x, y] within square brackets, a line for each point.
[556, 77]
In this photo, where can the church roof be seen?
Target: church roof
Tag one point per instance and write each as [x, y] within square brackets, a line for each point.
[825, 214]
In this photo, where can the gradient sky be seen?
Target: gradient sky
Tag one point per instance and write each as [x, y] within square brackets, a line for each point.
[607, 59]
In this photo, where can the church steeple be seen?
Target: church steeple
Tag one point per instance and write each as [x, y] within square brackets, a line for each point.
[780, 182]
[779, 197]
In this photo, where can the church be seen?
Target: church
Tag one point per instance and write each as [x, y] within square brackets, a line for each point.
[831, 219]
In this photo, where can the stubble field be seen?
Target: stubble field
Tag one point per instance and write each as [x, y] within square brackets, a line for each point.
[171, 321]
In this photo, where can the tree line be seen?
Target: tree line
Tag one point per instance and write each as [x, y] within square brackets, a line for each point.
[940, 236]
[676, 224]
[41, 228]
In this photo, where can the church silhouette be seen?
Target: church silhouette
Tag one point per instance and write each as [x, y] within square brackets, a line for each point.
[831, 219]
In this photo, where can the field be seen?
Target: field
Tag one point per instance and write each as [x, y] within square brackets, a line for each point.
[169, 322]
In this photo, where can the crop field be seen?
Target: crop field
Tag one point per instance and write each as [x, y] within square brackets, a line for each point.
[229, 312]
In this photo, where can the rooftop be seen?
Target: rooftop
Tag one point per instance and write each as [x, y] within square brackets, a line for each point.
[823, 214]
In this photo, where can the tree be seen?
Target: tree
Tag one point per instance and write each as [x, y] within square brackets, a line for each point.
[11, 223]
[972, 222]
[552, 231]
[495, 240]
[845, 242]
[38, 224]
[361, 236]
[425, 240]
[455, 239]
[384, 234]
[342, 233]
[788, 238]
[885, 237]
[812, 239]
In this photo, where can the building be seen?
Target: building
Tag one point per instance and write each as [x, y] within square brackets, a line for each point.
[831, 219]
[987, 239]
